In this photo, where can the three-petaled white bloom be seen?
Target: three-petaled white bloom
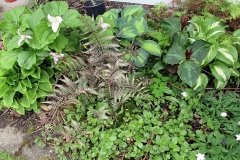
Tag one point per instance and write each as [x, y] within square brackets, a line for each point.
[55, 22]
[238, 137]
[200, 156]
[22, 37]
[223, 114]
[184, 94]
[56, 57]
[102, 24]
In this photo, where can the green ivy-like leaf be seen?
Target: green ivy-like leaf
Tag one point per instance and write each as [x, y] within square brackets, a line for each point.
[174, 55]
[189, 71]
[151, 47]
[26, 59]
[128, 31]
[44, 34]
[141, 58]
[220, 71]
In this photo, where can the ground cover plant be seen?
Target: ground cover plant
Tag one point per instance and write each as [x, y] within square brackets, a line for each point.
[123, 85]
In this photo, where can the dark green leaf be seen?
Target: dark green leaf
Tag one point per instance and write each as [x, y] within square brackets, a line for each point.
[171, 25]
[200, 50]
[174, 55]
[140, 59]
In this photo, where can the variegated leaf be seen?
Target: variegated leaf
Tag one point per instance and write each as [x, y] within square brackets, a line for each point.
[219, 84]
[220, 71]
[211, 55]
[234, 72]
[227, 54]
[201, 82]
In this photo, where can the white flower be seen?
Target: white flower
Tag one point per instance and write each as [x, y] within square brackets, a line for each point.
[22, 37]
[55, 22]
[184, 94]
[200, 156]
[238, 137]
[56, 57]
[238, 123]
[103, 25]
[223, 114]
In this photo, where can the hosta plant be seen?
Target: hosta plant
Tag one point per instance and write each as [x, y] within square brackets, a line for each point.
[195, 47]
[129, 26]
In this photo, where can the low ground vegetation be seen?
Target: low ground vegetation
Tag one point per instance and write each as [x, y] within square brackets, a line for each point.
[130, 84]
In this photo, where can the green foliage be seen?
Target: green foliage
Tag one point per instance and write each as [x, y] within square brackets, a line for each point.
[129, 30]
[5, 155]
[219, 141]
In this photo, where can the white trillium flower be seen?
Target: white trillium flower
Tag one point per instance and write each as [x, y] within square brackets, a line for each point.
[200, 156]
[184, 94]
[102, 24]
[56, 57]
[55, 22]
[223, 114]
[22, 37]
[238, 137]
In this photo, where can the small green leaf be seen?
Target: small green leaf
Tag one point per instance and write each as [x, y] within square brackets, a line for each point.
[174, 55]
[41, 93]
[211, 55]
[128, 30]
[227, 54]
[152, 47]
[201, 83]
[26, 59]
[140, 24]
[13, 43]
[220, 71]
[36, 73]
[158, 66]
[59, 43]
[3, 89]
[27, 82]
[35, 18]
[27, 72]
[3, 80]
[219, 85]
[44, 77]
[234, 72]
[180, 38]
[112, 13]
[189, 71]
[24, 102]
[141, 58]
[70, 18]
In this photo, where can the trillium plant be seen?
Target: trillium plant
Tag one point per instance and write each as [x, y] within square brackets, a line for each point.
[33, 43]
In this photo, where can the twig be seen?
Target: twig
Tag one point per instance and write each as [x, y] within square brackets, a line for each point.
[36, 130]
[5, 111]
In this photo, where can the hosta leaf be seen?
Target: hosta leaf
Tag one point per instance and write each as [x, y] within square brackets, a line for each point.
[3, 89]
[201, 83]
[130, 10]
[219, 84]
[8, 58]
[59, 43]
[152, 47]
[27, 72]
[215, 33]
[234, 72]
[140, 24]
[19, 108]
[189, 71]
[220, 71]
[8, 98]
[36, 73]
[140, 58]
[227, 54]
[171, 25]
[3, 80]
[55, 8]
[27, 82]
[211, 55]
[24, 102]
[45, 86]
[44, 33]
[32, 94]
[44, 77]
[128, 31]
[26, 59]
[200, 50]
[174, 55]
[158, 66]
[41, 93]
